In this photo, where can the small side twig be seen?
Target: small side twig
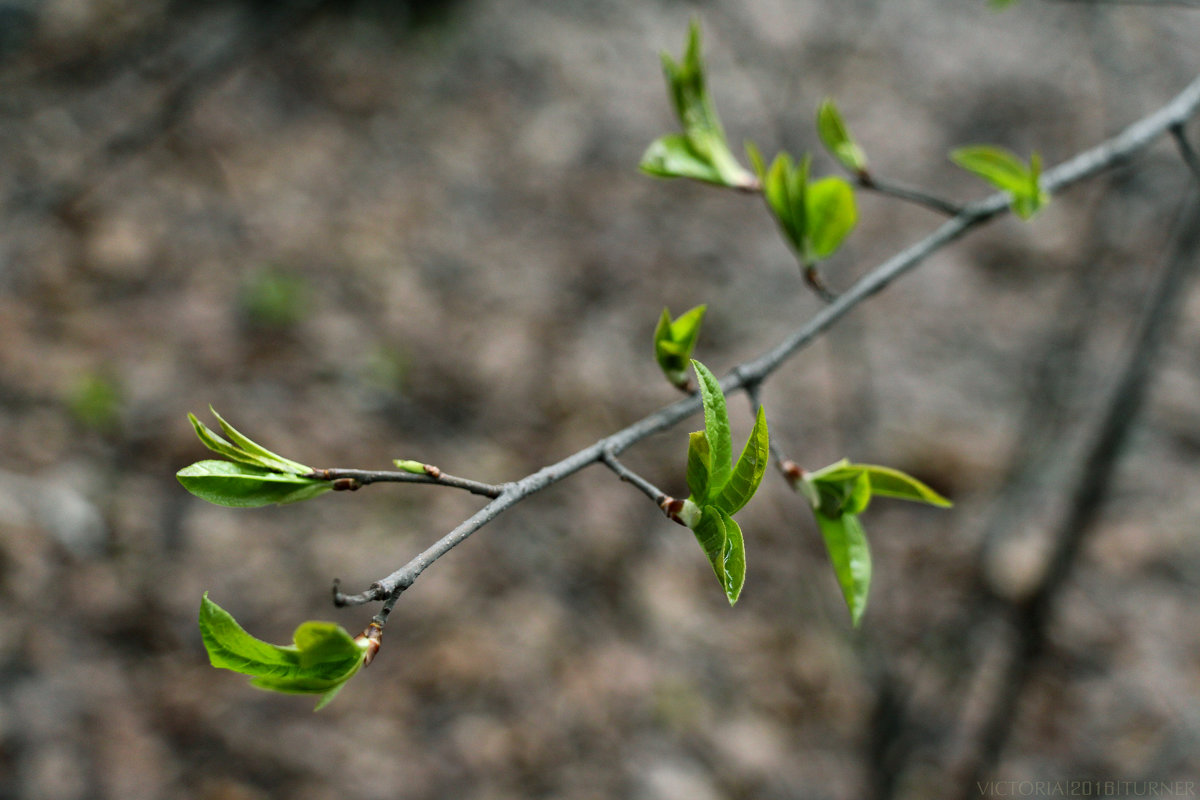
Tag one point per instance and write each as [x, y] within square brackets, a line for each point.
[916, 196]
[670, 506]
[355, 478]
[1030, 617]
[1186, 151]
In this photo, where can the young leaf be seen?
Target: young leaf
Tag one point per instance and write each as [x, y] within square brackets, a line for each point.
[675, 156]
[674, 341]
[851, 557]
[320, 661]
[721, 539]
[698, 466]
[268, 459]
[701, 152]
[830, 214]
[748, 472]
[997, 166]
[784, 189]
[716, 427]
[885, 481]
[237, 485]
[837, 139]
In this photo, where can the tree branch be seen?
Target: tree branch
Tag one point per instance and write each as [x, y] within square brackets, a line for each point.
[1030, 617]
[1114, 151]
[1186, 152]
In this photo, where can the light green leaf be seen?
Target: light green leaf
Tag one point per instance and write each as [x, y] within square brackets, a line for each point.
[837, 139]
[675, 156]
[685, 329]
[415, 467]
[784, 189]
[858, 494]
[218, 445]
[997, 166]
[698, 466]
[721, 539]
[885, 481]
[236, 485]
[716, 426]
[748, 472]
[268, 459]
[831, 215]
[851, 557]
[756, 160]
[702, 152]
[674, 341]
[320, 661]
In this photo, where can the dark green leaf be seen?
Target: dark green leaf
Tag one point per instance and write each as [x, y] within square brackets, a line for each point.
[716, 426]
[235, 485]
[323, 657]
[748, 472]
[698, 466]
[848, 551]
[836, 138]
[831, 215]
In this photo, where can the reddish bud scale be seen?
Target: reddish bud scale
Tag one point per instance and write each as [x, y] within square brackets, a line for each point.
[373, 636]
[671, 507]
[433, 471]
[346, 485]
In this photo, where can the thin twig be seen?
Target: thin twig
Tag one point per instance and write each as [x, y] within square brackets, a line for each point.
[629, 476]
[434, 476]
[1114, 151]
[1030, 617]
[871, 182]
[1186, 152]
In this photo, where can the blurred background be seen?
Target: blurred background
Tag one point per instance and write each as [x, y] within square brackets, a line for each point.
[383, 229]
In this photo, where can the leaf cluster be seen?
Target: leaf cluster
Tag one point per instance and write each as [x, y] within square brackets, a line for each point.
[1007, 172]
[840, 492]
[252, 476]
[322, 657]
[701, 151]
[815, 216]
[674, 341]
[719, 487]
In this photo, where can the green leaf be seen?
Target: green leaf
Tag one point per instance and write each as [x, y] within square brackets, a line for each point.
[415, 467]
[858, 495]
[716, 426]
[210, 439]
[1007, 172]
[997, 166]
[851, 557]
[238, 485]
[721, 539]
[675, 156]
[321, 659]
[885, 481]
[268, 459]
[674, 341]
[784, 188]
[837, 139]
[698, 466]
[831, 215]
[702, 152]
[748, 472]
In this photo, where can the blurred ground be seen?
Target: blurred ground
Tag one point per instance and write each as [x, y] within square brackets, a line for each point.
[378, 230]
